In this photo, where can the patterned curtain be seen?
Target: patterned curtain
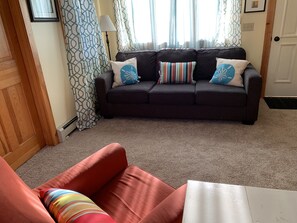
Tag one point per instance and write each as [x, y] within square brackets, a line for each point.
[86, 56]
[124, 30]
[152, 24]
[229, 28]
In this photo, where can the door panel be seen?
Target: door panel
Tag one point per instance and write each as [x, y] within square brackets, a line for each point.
[289, 14]
[19, 112]
[3, 143]
[4, 48]
[20, 129]
[8, 74]
[282, 69]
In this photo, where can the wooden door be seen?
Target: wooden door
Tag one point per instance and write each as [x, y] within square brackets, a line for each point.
[282, 68]
[20, 130]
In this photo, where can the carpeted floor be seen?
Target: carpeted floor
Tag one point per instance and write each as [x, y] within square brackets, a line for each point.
[264, 154]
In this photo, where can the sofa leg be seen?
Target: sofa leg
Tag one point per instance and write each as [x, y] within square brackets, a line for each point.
[248, 122]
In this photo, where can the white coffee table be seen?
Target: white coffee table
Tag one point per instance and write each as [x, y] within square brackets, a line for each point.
[225, 203]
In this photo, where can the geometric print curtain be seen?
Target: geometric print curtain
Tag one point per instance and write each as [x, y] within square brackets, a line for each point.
[126, 42]
[179, 24]
[86, 56]
[228, 26]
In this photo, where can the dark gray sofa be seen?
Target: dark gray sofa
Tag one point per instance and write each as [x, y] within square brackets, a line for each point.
[196, 101]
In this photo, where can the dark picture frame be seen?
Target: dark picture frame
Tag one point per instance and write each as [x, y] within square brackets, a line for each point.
[43, 10]
[254, 6]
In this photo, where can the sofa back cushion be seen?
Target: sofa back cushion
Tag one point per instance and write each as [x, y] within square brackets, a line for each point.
[17, 201]
[177, 55]
[146, 63]
[206, 60]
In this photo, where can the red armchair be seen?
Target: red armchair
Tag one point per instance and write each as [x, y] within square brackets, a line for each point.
[125, 192]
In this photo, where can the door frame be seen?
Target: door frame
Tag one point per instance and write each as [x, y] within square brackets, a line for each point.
[22, 23]
[267, 42]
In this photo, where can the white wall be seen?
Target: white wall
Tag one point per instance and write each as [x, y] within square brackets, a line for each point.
[252, 41]
[51, 50]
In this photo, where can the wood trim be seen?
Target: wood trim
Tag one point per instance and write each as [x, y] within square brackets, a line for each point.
[22, 23]
[267, 42]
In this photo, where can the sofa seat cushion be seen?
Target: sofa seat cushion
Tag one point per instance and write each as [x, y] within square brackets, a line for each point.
[173, 94]
[131, 94]
[219, 95]
[132, 195]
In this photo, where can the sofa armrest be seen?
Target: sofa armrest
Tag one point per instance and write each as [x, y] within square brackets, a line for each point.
[89, 175]
[103, 83]
[252, 80]
[252, 84]
[170, 210]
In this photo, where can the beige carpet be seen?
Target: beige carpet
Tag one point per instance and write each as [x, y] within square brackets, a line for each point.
[264, 154]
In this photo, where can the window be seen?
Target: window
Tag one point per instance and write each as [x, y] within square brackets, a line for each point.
[152, 24]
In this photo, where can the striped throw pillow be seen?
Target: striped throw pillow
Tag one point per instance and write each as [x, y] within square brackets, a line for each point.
[69, 206]
[176, 73]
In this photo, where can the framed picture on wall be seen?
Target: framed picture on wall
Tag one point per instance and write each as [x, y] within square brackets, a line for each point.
[43, 10]
[254, 6]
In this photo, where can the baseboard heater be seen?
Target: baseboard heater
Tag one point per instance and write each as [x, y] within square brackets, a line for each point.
[65, 129]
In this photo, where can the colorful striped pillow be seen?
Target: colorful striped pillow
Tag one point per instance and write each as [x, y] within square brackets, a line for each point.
[176, 73]
[69, 206]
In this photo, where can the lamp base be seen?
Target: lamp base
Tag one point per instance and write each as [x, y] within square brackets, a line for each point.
[107, 42]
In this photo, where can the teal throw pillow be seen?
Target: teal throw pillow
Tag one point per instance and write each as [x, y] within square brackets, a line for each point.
[125, 73]
[229, 71]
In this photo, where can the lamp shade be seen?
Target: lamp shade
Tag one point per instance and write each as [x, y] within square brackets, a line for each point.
[106, 24]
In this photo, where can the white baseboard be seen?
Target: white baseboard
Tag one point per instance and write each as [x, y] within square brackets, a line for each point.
[65, 129]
